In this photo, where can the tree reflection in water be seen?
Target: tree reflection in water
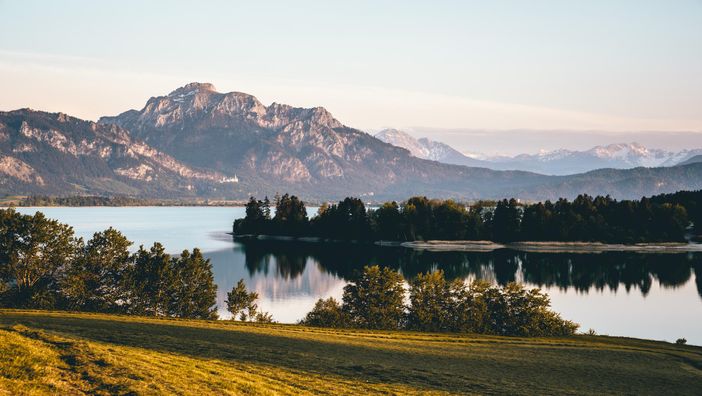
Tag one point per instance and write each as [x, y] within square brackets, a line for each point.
[582, 272]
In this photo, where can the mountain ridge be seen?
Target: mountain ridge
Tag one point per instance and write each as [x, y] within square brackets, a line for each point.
[191, 142]
[555, 162]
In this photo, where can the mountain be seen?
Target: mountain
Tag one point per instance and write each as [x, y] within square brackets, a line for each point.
[557, 162]
[301, 150]
[692, 160]
[617, 156]
[195, 140]
[428, 149]
[52, 153]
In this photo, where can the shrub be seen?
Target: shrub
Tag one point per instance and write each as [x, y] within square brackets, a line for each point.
[326, 313]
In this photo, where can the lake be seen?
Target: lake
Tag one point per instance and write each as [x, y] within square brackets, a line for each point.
[655, 296]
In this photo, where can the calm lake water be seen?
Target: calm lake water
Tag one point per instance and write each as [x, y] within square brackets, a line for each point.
[656, 296]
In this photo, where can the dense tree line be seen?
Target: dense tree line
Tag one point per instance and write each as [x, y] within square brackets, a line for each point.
[588, 219]
[43, 265]
[376, 300]
[690, 200]
[80, 200]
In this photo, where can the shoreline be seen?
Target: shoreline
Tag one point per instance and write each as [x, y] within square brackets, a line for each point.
[489, 246]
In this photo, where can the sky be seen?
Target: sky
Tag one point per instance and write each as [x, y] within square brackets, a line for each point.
[497, 77]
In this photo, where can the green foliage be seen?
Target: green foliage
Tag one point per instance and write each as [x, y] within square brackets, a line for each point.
[242, 304]
[347, 220]
[95, 280]
[150, 282]
[436, 304]
[326, 313]
[515, 311]
[194, 293]
[505, 223]
[34, 251]
[43, 265]
[388, 222]
[375, 299]
[662, 218]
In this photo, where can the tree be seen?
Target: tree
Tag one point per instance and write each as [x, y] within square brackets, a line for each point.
[150, 282]
[418, 216]
[387, 222]
[347, 220]
[434, 302]
[515, 311]
[506, 221]
[34, 252]
[375, 299]
[326, 313]
[242, 303]
[95, 280]
[451, 220]
[194, 293]
[290, 216]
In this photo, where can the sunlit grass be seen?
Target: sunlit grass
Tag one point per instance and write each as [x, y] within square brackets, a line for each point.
[53, 352]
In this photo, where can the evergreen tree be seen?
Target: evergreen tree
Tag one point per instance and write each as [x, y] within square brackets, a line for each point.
[241, 303]
[95, 280]
[151, 282]
[387, 222]
[194, 293]
[506, 221]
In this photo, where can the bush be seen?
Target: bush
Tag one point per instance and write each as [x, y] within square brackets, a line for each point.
[326, 313]
[681, 341]
[376, 300]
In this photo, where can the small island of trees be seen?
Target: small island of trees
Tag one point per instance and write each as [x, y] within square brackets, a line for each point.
[663, 218]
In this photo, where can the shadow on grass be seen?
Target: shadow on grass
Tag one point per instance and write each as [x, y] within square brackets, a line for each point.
[505, 368]
[238, 345]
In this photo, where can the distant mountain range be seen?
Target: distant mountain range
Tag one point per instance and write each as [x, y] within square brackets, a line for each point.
[197, 142]
[558, 162]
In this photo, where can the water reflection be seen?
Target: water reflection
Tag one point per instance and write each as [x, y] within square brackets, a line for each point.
[581, 272]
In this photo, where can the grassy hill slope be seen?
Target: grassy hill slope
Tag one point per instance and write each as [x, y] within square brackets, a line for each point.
[69, 353]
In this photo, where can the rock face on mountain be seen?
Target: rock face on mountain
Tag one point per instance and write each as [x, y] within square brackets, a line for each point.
[52, 153]
[306, 151]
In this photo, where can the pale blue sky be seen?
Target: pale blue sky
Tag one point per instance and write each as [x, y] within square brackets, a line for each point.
[547, 65]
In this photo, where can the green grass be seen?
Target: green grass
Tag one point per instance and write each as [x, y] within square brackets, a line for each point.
[70, 353]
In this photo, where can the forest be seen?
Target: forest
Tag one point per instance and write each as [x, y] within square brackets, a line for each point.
[662, 218]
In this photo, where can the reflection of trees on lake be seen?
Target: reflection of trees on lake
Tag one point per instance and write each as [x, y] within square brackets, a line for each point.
[581, 272]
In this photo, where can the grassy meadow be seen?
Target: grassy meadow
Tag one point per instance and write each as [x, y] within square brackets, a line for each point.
[70, 353]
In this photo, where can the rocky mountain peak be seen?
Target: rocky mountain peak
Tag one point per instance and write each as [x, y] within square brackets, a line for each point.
[193, 88]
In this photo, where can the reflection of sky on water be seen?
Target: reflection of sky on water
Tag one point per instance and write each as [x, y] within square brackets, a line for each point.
[647, 296]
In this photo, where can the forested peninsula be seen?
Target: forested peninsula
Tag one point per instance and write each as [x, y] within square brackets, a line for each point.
[663, 219]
